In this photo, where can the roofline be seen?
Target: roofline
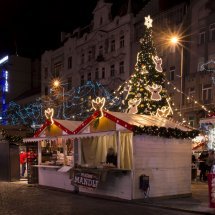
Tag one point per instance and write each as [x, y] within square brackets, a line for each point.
[119, 121]
[47, 123]
[86, 122]
[107, 115]
[40, 130]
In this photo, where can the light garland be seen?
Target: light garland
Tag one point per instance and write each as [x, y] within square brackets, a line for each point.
[188, 97]
[77, 105]
[165, 132]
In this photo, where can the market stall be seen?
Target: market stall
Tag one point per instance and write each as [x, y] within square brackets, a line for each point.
[150, 154]
[150, 150]
[55, 156]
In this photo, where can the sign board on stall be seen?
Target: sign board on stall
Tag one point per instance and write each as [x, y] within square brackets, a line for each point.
[87, 180]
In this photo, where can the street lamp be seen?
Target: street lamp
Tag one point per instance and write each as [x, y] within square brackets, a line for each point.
[175, 40]
[57, 84]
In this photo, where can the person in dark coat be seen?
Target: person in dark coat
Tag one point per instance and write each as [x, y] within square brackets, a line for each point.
[202, 168]
[111, 157]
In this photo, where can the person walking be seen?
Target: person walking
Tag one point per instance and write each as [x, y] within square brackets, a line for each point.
[202, 168]
[210, 160]
[23, 160]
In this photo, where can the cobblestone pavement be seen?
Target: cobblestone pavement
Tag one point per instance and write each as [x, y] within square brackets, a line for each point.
[23, 199]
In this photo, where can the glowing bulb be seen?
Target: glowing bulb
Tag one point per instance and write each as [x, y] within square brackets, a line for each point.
[174, 40]
[56, 83]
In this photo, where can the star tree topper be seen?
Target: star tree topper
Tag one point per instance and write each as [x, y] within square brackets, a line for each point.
[148, 21]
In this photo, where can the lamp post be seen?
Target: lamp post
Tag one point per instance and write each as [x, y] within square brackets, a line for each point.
[176, 41]
[57, 84]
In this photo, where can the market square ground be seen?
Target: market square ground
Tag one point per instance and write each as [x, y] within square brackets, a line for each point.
[18, 198]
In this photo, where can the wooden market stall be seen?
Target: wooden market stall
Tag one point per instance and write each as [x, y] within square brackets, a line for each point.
[150, 151]
[55, 156]
[160, 151]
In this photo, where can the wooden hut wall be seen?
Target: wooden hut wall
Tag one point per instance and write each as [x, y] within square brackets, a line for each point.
[167, 162]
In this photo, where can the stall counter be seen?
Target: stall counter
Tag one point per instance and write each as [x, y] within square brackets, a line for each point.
[55, 176]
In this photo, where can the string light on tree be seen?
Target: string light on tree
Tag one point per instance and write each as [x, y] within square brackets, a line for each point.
[147, 81]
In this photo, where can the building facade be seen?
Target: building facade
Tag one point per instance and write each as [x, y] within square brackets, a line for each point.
[106, 51]
[199, 78]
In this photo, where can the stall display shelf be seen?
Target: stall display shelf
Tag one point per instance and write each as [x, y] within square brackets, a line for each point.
[47, 166]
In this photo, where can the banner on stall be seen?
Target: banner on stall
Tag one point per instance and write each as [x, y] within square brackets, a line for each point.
[87, 180]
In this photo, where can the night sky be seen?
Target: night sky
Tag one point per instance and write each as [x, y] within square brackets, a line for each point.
[32, 26]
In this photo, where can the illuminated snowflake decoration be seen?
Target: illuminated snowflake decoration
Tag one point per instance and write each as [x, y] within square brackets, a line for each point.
[148, 22]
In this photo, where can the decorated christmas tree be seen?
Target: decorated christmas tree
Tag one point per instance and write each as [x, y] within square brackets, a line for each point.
[145, 89]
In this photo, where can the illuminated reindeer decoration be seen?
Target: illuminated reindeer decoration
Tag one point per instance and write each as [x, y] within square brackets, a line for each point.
[49, 113]
[98, 105]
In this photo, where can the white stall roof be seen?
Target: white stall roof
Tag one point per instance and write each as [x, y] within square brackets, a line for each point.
[66, 125]
[147, 120]
[70, 125]
[129, 120]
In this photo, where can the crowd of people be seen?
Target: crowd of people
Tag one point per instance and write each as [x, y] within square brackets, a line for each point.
[205, 163]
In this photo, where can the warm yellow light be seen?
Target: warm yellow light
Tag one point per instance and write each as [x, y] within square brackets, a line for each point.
[174, 40]
[56, 83]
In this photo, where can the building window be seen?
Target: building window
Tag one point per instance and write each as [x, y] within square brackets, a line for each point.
[106, 45]
[46, 73]
[69, 62]
[93, 52]
[172, 73]
[69, 82]
[200, 66]
[112, 70]
[46, 91]
[82, 58]
[82, 80]
[97, 74]
[112, 48]
[211, 63]
[191, 120]
[191, 94]
[212, 32]
[89, 76]
[201, 38]
[121, 67]
[103, 73]
[206, 93]
[138, 31]
[89, 55]
[122, 38]
[57, 69]
[100, 50]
